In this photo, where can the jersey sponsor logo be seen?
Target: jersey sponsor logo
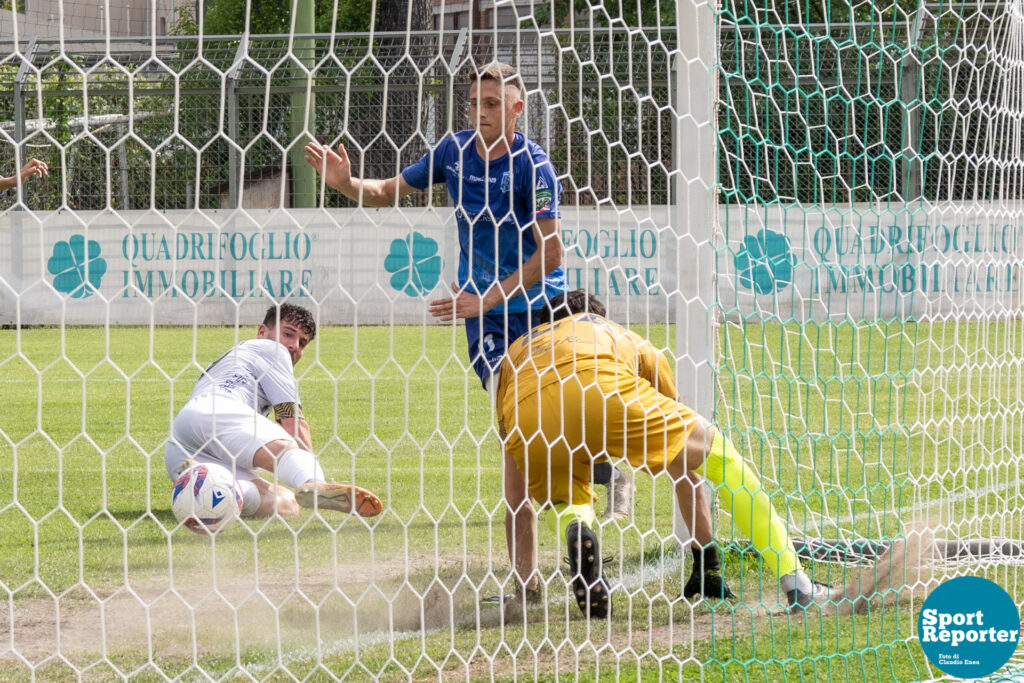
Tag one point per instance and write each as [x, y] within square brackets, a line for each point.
[455, 168]
[480, 179]
[489, 345]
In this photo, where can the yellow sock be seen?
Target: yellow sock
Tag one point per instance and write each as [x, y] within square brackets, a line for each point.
[561, 515]
[750, 505]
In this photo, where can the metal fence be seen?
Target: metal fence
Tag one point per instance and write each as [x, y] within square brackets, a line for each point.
[913, 104]
[174, 123]
[896, 109]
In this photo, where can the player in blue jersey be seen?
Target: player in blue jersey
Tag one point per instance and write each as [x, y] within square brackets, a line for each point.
[507, 196]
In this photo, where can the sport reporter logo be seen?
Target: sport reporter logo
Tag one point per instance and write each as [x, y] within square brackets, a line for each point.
[969, 627]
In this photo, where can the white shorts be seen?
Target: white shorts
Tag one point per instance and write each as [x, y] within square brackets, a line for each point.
[217, 429]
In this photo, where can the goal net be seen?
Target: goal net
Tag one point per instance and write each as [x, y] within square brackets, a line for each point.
[813, 210]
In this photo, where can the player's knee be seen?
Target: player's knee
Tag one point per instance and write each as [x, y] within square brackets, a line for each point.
[266, 455]
[515, 482]
[698, 444]
[681, 465]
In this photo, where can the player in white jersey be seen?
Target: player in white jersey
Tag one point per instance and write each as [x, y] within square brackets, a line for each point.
[223, 422]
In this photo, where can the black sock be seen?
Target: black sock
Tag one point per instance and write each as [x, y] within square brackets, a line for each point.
[705, 559]
[603, 473]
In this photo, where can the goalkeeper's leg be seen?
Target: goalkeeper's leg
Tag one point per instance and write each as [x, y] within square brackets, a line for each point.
[577, 524]
[620, 489]
[520, 528]
[706, 576]
[751, 509]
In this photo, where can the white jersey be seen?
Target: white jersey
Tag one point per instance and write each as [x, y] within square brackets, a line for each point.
[257, 373]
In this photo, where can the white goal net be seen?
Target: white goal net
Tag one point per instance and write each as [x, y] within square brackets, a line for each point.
[812, 210]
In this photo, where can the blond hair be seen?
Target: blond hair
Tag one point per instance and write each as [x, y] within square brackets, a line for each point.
[503, 73]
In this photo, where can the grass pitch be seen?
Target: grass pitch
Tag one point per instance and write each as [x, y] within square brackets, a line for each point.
[856, 429]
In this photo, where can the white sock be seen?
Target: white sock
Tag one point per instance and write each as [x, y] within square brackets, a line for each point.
[295, 467]
[797, 580]
[250, 497]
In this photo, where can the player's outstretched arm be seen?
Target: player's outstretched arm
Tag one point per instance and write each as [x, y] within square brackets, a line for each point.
[336, 168]
[34, 167]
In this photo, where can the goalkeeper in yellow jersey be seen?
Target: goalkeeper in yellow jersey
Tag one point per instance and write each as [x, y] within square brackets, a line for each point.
[580, 389]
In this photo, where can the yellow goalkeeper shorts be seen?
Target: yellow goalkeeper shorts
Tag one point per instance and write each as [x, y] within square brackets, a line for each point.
[556, 434]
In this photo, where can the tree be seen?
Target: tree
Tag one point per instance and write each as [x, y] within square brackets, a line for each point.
[378, 122]
[398, 110]
[267, 17]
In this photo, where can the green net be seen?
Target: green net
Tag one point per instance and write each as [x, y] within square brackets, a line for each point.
[869, 329]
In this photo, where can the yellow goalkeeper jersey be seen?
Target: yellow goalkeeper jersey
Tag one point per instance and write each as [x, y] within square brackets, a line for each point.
[583, 389]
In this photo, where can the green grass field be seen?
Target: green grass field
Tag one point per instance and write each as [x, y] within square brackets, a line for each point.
[855, 428]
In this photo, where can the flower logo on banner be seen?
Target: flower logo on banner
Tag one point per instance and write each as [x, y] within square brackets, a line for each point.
[764, 263]
[414, 264]
[76, 271]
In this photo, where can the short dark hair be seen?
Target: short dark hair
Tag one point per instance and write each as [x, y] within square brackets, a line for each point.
[570, 303]
[291, 313]
[504, 74]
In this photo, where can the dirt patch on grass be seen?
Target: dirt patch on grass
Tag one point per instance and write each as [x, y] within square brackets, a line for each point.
[225, 611]
[327, 614]
[610, 648]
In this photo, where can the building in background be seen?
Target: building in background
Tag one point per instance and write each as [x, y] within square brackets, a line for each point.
[478, 14]
[86, 18]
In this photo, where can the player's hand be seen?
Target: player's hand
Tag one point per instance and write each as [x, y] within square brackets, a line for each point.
[334, 166]
[34, 167]
[464, 304]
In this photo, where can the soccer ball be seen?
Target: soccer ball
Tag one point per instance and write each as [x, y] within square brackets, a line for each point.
[206, 498]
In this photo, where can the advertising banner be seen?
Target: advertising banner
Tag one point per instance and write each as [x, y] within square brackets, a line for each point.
[864, 262]
[382, 266]
[216, 267]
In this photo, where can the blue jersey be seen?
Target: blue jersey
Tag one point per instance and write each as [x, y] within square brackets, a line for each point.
[496, 206]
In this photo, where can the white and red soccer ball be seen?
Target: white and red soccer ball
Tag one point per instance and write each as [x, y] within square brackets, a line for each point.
[206, 498]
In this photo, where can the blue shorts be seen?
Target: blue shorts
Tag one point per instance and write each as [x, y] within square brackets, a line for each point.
[489, 337]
